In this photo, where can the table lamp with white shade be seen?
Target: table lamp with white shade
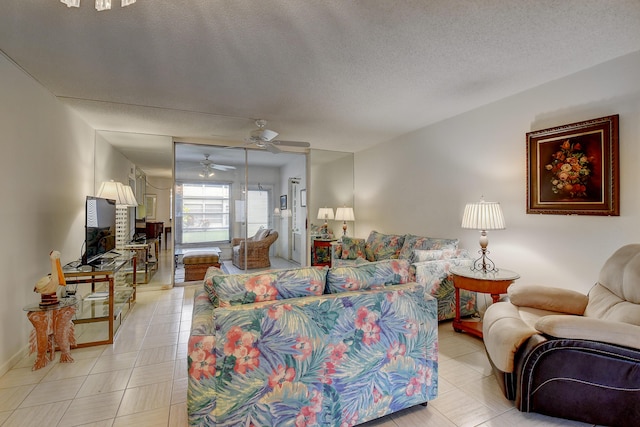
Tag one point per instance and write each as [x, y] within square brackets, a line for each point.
[345, 214]
[483, 216]
[326, 214]
[123, 195]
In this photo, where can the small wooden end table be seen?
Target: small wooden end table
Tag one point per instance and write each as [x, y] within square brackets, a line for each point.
[321, 252]
[494, 283]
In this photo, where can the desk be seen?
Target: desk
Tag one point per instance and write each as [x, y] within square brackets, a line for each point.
[51, 325]
[154, 231]
[100, 300]
[494, 283]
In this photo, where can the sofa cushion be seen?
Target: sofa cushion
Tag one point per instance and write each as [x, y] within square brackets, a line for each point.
[585, 328]
[621, 273]
[352, 248]
[383, 246]
[412, 243]
[368, 276]
[605, 305]
[237, 289]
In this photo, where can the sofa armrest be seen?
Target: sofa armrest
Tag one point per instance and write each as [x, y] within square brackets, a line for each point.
[548, 298]
[435, 276]
[587, 328]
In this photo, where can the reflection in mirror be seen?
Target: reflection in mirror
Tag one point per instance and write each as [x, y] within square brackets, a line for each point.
[225, 202]
[331, 176]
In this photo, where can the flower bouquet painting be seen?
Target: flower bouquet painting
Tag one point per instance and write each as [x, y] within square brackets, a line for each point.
[573, 169]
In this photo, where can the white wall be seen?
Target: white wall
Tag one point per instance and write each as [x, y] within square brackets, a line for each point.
[46, 171]
[110, 164]
[421, 182]
[331, 185]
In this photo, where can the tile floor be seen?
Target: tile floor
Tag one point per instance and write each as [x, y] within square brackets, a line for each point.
[141, 379]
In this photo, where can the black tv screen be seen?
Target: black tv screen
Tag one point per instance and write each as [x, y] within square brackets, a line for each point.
[100, 226]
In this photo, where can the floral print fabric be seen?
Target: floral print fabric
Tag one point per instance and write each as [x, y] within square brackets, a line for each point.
[352, 248]
[412, 242]
[332, 360]
[235, 289]
[437, 280]
[383, 246]
[368, 275]
[437, 254]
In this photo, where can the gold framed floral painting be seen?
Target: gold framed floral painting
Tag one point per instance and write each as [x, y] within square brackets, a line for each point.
[573, 169]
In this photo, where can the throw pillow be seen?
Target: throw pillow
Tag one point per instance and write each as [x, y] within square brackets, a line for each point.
[352, 248]
[261, 234]
[237, 289]
[368, 276]
[420, 255]
[412, 242]
[383, 246]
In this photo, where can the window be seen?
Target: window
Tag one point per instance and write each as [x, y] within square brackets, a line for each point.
[205, 212]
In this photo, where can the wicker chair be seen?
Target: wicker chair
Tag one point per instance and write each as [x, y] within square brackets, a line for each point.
[257, 249]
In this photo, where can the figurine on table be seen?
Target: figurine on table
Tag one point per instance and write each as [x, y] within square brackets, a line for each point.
[50, 322]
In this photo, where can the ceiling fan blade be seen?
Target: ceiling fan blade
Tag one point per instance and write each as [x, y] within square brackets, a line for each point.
[272, 148]
[300, 144]
[223, 167]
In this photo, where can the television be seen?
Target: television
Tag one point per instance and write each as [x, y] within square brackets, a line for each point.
[100, 228]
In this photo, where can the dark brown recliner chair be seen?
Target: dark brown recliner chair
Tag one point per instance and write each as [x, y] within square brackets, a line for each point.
[569, 355]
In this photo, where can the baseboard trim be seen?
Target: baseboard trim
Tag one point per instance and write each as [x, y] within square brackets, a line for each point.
[14, 360]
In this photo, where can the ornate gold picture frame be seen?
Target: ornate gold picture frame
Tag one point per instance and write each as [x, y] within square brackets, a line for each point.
[573, 169]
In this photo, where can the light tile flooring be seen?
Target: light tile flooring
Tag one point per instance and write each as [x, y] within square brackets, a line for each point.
[141, 380]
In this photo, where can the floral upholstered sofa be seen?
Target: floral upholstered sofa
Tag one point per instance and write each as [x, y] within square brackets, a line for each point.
[431, 259]
[272, 349]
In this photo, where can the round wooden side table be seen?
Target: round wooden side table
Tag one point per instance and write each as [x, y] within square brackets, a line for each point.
[494, 283]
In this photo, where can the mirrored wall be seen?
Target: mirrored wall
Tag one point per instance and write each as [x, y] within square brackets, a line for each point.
[244, 203]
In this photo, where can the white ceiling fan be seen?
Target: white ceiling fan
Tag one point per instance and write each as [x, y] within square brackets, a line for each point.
[265, 138]
[208, 166]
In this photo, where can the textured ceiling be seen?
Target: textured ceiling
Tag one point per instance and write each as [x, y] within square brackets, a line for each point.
[342, 75]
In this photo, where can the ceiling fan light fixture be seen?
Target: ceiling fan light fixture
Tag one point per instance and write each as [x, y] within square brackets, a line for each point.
[263, 134]
[100, 4]
[103, 5]
[71, 3]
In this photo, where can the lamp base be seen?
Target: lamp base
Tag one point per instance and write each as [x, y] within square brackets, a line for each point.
[484, 264]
